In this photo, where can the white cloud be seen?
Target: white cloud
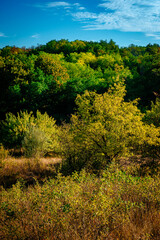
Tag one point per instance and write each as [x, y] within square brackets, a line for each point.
[125, 15]
[66, 5]
[52, 5]
[76, 4]
[81, 8]
[154, 35]
[35, 36]
[84, 15]
[57, 4]
[2, 34]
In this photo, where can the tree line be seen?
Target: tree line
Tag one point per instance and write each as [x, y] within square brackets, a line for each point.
[49, 77]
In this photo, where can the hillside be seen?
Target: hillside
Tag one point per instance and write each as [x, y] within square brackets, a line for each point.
[80, 141]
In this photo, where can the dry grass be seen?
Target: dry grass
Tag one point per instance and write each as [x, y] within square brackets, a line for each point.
[13, 169]
[140, 165]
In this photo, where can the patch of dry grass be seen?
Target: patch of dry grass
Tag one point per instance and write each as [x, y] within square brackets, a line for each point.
[13, 169]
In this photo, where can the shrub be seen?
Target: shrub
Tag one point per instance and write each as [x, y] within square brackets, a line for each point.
[3, 155]
[3, 152]
[35, 143]
[153, 116]
[14, 127]
[18, 131]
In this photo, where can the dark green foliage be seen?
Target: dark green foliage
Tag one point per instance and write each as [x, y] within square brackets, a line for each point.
[49, 77]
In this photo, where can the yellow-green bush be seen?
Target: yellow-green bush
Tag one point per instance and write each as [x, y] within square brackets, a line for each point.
[152, 116]
[35, 143]
[27, 130]
[3, 152]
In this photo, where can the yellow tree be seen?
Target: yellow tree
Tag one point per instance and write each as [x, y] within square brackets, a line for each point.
[105, 127]
[51, 66]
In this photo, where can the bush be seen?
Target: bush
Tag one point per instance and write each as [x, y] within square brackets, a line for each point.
[153, 116]
[35, 143]
[3, 152]
[25, 130]
[14, 127]
[3, 155]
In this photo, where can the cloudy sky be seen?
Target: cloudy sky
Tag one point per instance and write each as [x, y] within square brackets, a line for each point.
[31, 22]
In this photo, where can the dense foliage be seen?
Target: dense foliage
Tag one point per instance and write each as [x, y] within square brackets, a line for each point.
[49, 77]
[85, 119]
[88, 84]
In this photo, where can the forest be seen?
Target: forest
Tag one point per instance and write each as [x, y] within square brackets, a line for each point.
[80, 141]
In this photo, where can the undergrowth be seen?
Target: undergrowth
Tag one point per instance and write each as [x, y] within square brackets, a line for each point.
[116, 205]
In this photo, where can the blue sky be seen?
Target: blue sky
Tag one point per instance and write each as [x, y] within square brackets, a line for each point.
[31, 22]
